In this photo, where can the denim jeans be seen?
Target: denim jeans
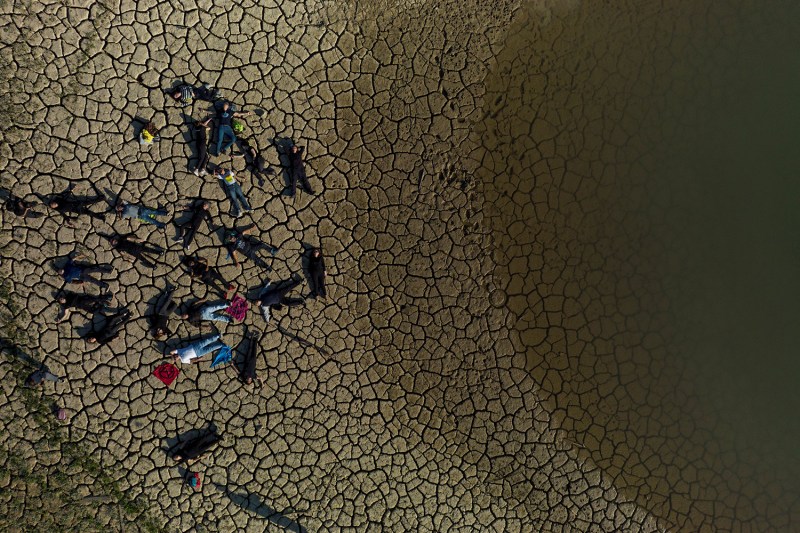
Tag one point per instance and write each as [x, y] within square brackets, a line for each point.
[206, 345]
[223, 133]
[148, 216]
[237, 198]
[209, 312]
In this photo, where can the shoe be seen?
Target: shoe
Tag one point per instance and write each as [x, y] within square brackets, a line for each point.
[188, 248]
[196, 172]
[203, 172]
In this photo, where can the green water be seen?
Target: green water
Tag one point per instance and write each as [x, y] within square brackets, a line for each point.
[642, 183]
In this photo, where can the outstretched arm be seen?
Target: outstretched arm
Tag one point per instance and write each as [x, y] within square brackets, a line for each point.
[63, 315]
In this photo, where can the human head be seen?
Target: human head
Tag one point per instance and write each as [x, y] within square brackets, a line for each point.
[295, 148]
[62, 300]
[114, 241]
[91, 340]
[249, 380]
[316, 252]
[60, 271]
[190, 261]
[185, 316]
[225, 106]
[151, 127]
[53, 204]
[158, 333]
[119, 208]
[205, 205]
[177, 94]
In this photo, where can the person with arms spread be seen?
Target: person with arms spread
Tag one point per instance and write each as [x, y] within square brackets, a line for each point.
[70, 206]
[225, 132]
[110, 330]
[273, 296]
[84, 302]
[198, 268]
[137, 249]
[139, 212]
[239, 241]
[79, 272]
[188, 229]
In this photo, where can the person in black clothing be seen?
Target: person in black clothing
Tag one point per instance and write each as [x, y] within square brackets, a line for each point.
[238, 241]
[136, 248]
[200, 211]
[201, 144]
[273, 296]
[258, 166]
[70, 207]
[77, 272]
[298, 170]
[20, 207]
[316, 267]
[160, 320]
[83, 302]
[199, 268]
[110, 330]
[194, 449]
[249, 369]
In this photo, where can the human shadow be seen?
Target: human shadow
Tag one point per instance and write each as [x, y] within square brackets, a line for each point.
[173, 444]
[253, 503]
[16, 351]
[283, 145]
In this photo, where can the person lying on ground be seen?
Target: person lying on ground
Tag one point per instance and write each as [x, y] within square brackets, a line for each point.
[137, 249]
[160, 321]
[194, 449]
[20, 207]
[298, 170]
[144, 214]
[82, 302]
[272, 297]
[149, 134]
[239, 241]
[78, 272]
[188, 229]
[185, 94]
[70, 206]
[193, 352]
[316, 267]
[201, 145]
[258, 165]
[110, 330]
[41, 375]
[225, 132]
[199, 268]
[200, 310]
[234, 190]
[249, 369]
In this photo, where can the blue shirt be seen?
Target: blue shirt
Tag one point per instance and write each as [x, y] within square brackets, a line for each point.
[72, 272]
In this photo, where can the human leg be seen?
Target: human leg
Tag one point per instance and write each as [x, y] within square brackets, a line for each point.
[209, 312]
[236, 191]
[304, 182]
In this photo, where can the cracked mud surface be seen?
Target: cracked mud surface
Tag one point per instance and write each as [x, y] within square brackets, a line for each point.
[408, 399]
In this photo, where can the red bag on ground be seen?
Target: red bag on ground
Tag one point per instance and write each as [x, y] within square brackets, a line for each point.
[166, 373]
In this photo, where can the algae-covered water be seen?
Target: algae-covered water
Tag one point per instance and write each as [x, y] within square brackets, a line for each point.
[640, 172]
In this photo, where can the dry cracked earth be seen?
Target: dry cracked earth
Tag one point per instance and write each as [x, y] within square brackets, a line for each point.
[434, 389]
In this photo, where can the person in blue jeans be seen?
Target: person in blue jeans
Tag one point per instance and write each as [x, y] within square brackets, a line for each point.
[225, 132]
[201, 311]
[234, 190]
[141, 213]
[193, 352]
